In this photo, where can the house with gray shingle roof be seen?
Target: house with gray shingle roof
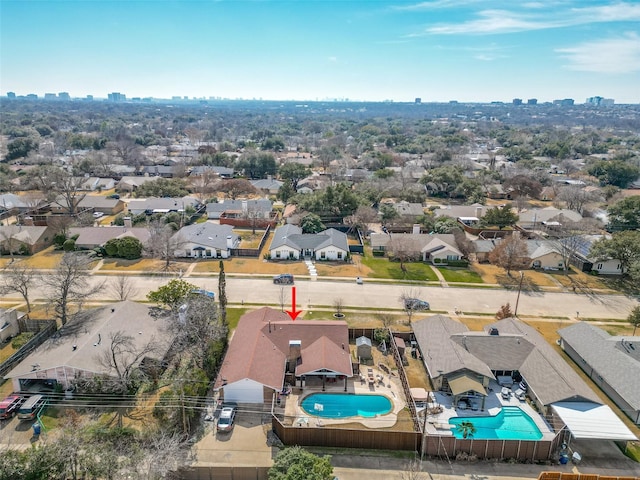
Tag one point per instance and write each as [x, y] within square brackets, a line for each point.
[612, 362]
[289, 243]
[205, 240]
[268, 185]
[161, 205]
[435, 248]
[549, 217]
[24, 238]
[92, 237]
[261, 207]
[463, 362]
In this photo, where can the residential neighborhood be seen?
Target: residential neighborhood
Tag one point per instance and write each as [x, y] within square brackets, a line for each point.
[242, 294]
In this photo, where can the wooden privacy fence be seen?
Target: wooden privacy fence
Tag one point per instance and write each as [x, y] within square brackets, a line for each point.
[223, 473]
[522, 450]
[47, 329]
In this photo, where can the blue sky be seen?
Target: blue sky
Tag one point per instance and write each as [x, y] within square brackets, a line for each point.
[439, 50]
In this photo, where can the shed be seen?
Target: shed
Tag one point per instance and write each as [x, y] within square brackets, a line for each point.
[363, 348]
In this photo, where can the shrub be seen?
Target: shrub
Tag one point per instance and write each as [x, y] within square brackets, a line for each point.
[458, 263]
[69, 245]
[59, 239]
[437, 260]
[20, 340]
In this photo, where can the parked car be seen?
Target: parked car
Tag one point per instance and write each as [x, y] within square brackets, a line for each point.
[10, 405]
[283, 279]
[226, 419]
[115, 195]
[98, 214]
[415, 304]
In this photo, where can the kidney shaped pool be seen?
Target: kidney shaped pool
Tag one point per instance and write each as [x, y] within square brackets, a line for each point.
[344, 405]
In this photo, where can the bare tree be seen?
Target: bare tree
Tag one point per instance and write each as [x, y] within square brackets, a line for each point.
[408, 305]
[570, 238]
[413, 471]
[403, 249]
[68, 284]
[9, 241]
[122, 359]
[511, 254]
[19, 279]
[163, 453]
[575, 197]
[386, 319]
[282, 297]
[504, 312]
[61, 187]
[338, 305]
[362, 217]
[163, 243]
[122, 287]
[198, 325]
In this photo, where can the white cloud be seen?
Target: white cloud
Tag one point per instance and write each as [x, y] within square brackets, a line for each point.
[508, 21]
[332, 59]
[611, 55]
[435, 5]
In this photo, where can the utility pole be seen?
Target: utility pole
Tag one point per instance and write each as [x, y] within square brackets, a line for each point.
[515, 312]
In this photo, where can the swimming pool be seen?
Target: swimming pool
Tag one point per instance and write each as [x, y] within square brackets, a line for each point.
[344, 405]
[510, 424]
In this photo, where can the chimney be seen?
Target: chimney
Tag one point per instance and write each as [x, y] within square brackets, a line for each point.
[229, 241]
[245, 207]
[416, 228]
[294, 354]
[269, 177]
[478, 212]
[127, 222]
[28, 221]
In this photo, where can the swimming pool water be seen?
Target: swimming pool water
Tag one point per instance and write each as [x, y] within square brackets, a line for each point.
[343, 405]
[510, 424]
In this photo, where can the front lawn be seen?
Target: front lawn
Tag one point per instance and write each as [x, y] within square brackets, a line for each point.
[460, 275]
[383, 268]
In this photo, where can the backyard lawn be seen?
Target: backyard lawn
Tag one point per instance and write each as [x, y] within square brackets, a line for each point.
[414, 271]
[460, 275]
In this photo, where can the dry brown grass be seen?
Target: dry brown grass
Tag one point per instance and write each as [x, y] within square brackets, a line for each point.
[495, 275]
[46, 259]
[4, 261]
[342, 269]
[250, 239]
[579, 279]
[252, 265]
[143, 265]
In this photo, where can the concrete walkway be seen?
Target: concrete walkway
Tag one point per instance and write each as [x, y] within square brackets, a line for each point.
[443, 281]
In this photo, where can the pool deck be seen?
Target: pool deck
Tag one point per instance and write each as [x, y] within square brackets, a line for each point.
[389, 386]
[438, 423]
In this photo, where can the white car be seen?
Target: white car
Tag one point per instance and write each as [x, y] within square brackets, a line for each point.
[98, 214]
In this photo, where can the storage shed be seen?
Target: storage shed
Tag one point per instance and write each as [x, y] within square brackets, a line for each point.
[363, 348]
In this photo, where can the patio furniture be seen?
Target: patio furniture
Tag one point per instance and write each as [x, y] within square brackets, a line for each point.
[372, 380]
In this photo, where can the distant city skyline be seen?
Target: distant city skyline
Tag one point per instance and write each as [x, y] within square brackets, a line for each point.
[437, 50]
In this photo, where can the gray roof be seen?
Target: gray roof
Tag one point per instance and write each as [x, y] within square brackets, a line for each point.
[26, 234]
[455, 211]
[262, 205]
[442, 355]
[89, 237]
[539, 215]
[540, 248]
[11, 200]
[207, 234]
[409, 209]
[154, 203]
[90, 332]
[615, 358]
[98, 201]
[363, 341]
[548, 375]
[292, 236]
[417, 240]
[222, 171]
[267, 184]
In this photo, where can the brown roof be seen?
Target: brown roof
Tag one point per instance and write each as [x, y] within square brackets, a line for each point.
[260, 345]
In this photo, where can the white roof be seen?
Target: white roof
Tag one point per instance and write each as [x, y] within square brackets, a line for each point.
[588, 420]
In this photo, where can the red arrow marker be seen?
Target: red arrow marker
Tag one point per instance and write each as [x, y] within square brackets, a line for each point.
[293, 313]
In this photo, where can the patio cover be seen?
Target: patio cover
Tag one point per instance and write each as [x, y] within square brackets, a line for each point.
[587, 420]
[464, 384]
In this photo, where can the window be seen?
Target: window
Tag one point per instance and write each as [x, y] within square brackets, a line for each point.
[452, 257]
[599, 267]
[323, 255]
[207, 253]
[277, 253]
[339, 255]
[187, 253]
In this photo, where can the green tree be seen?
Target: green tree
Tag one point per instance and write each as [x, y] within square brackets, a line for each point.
[625, 214]
[614, 172]
[222, 293]
[294, 172]
[172, 294]
[622, 246]
[295, 463]
[311, 223]
[20, 147]
[129, 248]
[258, 164]
[163, 187]
[634, 318]
[500, 217]
[467, 429]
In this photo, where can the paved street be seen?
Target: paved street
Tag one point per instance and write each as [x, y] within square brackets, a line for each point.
[373, 295]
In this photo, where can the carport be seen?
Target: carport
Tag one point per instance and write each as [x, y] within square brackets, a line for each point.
[592, 421]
